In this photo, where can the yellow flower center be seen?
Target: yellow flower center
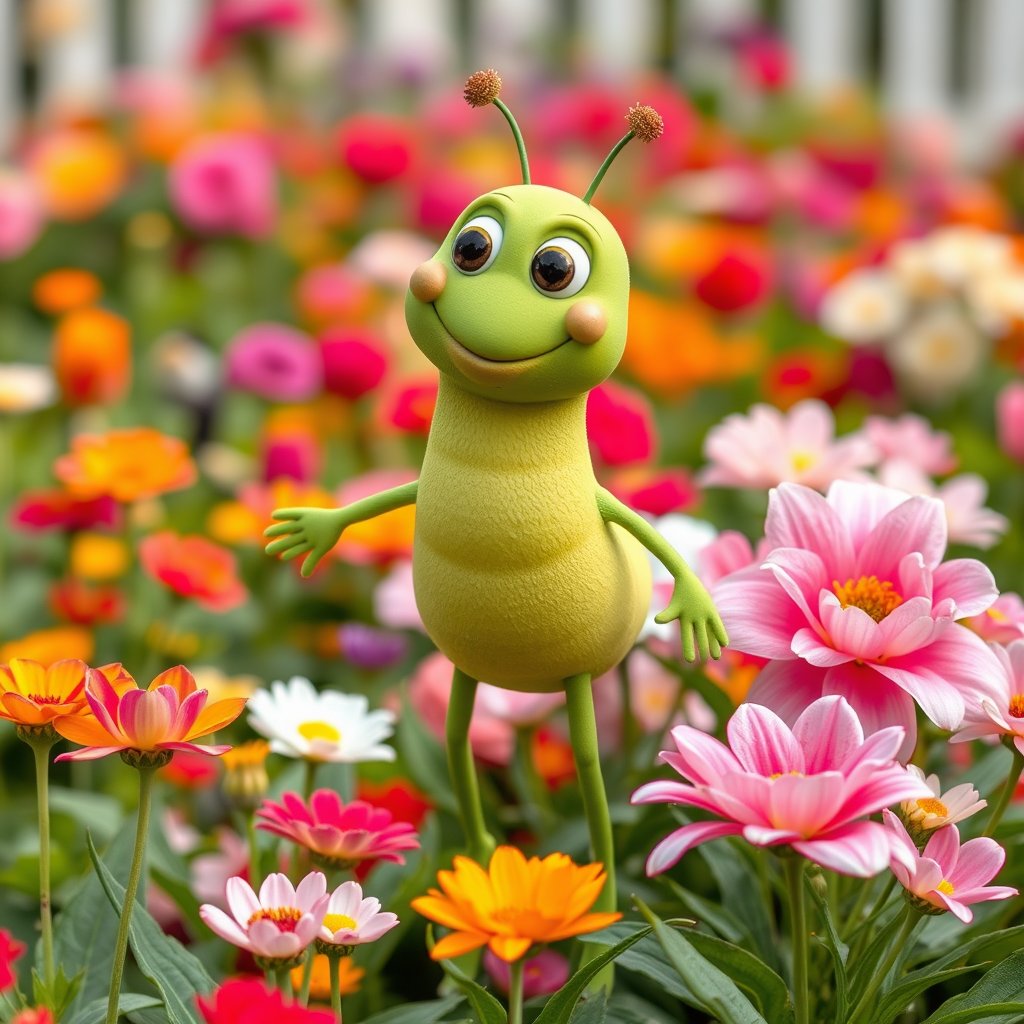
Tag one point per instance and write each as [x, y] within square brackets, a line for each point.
[802, 461]
[932, 805]
[868, 593]
[286, 918]
[333, 922]
[778, 775]
[945, 887]
[319, 731]
[996, 615]
[1017, 705]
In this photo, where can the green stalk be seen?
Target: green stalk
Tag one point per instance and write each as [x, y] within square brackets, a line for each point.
[310, 780]
[121, 946]
[307, 976]
[515, 991]
[254, 850]
[910, 921]
[41, 747]
[284, 981]
[335, 969]
[630, 730]
[798, 924]
[1016, 767]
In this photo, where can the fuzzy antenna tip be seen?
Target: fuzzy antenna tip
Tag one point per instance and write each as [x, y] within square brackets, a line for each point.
[483, 88]
[645, 124]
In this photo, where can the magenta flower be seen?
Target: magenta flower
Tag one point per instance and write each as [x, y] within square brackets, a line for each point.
[809, 787]
[225, 184]
[1010, 419]
[853, 598]
[274, 361]
[337, 833]
[768, 447]
[1000, 712]
[946, 875]
[620, 425]
[279, 924]
[543, 974]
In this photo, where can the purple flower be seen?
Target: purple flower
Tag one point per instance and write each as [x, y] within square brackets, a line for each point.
[366, 647]
[274, 361]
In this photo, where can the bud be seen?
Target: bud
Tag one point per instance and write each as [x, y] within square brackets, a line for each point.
[245, 779]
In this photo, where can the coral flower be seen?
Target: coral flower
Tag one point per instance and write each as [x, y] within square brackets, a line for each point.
[338, 834]
[33, 694]
[249, 1001]
[193, 567]
[92, 356]
[514, 904]
[279, 924]
[60, 291]
[809, 787]
[126, 465]
[167, 716]
[945, 875]
[853, 598]
[352, 919]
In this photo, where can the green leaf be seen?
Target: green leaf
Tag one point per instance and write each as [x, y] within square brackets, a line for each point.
[96, 811]
[716, 993]
[709, 913]
[900, 996]
[176, 973]
[416, 1013]
[837, 949]
[1000, 990]
[990, 1013]
[487, 1009]
[559, 1008]
[592, 1010]
[60, 994]
[95, 1012]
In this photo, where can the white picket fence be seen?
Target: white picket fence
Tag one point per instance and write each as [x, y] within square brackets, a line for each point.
[922, 41]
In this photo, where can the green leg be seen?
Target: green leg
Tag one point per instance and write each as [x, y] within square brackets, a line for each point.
[463, 770]
[583, 734]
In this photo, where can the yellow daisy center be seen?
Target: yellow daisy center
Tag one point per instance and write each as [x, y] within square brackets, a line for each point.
[778, 775]
[945, 887]
[1017, 705]
[932, 805]
[874, 596]
[802, 461]
[286, 918]
[319, 731]
[335, 922]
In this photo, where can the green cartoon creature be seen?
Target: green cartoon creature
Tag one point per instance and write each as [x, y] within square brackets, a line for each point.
[528, 574]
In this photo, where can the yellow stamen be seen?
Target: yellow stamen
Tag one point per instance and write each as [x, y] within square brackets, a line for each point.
[1017, 705]
[997, 615]
[868, 593]
[319, 731]
[802, 460]
[286, 918]
[932, 805]
[778, 775]
[334, 922]
[945, 887]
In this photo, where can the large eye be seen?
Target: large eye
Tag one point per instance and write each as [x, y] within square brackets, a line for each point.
[477, 245]
[560, 268]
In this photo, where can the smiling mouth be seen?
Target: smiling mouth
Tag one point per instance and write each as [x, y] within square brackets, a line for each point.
[482, 370]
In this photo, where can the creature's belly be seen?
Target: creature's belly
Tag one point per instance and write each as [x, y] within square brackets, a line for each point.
[518, 579]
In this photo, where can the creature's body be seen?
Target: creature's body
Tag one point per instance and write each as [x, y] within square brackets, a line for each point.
[519, 580]
[528, 575]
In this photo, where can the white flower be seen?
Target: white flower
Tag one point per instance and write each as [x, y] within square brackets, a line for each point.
[997, 300]
[25, 387]
[930, 813]
[960, 253]
[913, 267]
[301, 722]
[865, 306]
[352, 920]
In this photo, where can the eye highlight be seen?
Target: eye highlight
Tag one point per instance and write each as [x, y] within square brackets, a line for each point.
[560, 268]
[477, 245]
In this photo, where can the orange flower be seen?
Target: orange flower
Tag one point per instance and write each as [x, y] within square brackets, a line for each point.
[50, 645]
[194, 567]
[32, 694]
[97, 556]
[349, 977]
[126, 464]
[92, 356]
[78, 172]
[60, 291]
[157, 721]
[513, 905]
[243, 521]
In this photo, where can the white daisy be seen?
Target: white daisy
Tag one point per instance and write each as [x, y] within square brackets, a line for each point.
[940, 809]
[25, 387]
[302, 722]
[865, 306]
[352, 920]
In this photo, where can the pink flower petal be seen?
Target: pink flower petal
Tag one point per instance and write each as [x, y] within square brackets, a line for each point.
[672, 793]
[829, 733]
[969, 583]
[277, 891]
[877, 702]
[802, 575]
[851, 630]
[761, 836]
[917, 524]
[669, 851]
[242, 901]
[801, 518]
[805, 804]
[220, 924]
[762, 742]
[809, 646]
[310, 890]
[862, 507]
[908, 628]
[787, 687]
[703, 758]
[979, 862]
[939, 700]
[860, 849]
[88, 754]
[757, 615]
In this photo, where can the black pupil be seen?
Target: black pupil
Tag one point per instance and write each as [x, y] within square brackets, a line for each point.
[472, 248]
[552, 269]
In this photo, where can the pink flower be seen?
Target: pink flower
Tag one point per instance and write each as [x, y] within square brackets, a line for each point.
[225, 184]
[354, 359]
[295, 455]
[809, 787]
[853, 598]
[1002, 623]
[274, 361]
[210, 871]
[620, 425]
[338, 833]
[543, 974]
[375, 147]
[727, 553]
[279, 924]
[1001, 711]
[911, 438]
[946, 875]
[768, 447]
[1010, 419]
[249, 1001]
[352, 920]
[21, 213]
[394, 601]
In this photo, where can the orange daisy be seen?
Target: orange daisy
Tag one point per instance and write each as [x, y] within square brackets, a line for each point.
[32, 694]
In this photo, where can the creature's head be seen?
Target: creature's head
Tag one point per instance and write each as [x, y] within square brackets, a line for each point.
[526, 300]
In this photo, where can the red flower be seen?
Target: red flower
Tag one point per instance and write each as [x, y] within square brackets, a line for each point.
[33, 1015]
[76, 601]
[655, 491]
[194, 567]
[250, 1001]
[354, 361]
[58, 510]
[375, 147]
[414, 407]
[737, 281]
[401, 798]
[191, 771]
[10, 950]
[619, 424]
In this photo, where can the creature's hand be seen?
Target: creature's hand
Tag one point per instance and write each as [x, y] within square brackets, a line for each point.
[691, 604]
[305, 531]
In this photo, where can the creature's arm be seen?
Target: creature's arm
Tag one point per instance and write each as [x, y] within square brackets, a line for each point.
[691, 603]
[314, 531]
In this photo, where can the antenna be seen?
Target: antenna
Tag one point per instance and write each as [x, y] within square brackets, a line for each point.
[482, 88]
[645, 123]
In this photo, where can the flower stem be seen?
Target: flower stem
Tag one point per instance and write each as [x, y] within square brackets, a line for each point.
[41, 750]
[1016, 767]
[254, 850]
[121, 946]
[798, 925]
[310, 781]
[515, 991]
[335, 974]
[307, 976]
[910, 921]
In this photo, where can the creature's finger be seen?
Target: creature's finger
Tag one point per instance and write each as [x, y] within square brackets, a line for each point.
[277, 529]
[312, 560]
[687, 633]
[719, 630]
[700, 629]
[299, 549]
[282, 545]
[716, 648]
[287, 513]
